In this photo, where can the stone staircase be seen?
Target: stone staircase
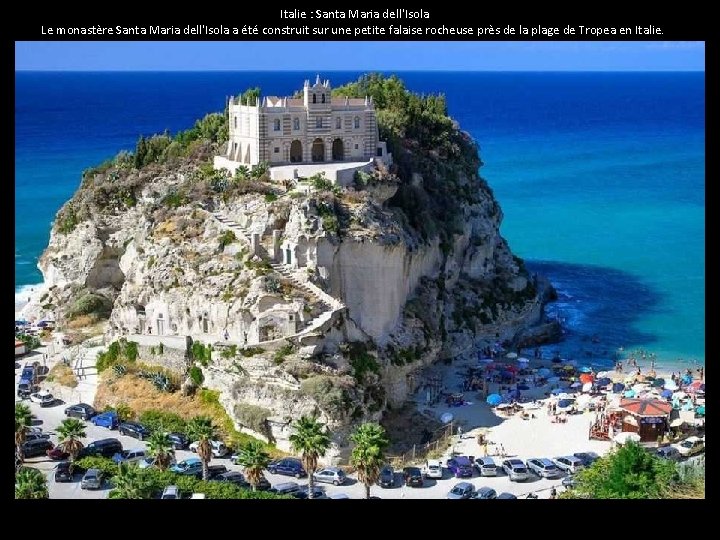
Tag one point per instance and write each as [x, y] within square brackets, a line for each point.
[298, 277]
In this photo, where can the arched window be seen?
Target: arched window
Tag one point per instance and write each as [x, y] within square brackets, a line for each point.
[357, 122]
[276, 125]
[322, 100]
[314, 98]
[235, 121]
[318, 122]
[296, 124]
[338, 123]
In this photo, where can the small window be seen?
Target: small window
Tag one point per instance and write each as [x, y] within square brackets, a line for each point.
[296, 124]
[338, 123]
[276, 125]
[322, 100]
[357, 146]
[314, 98]
[318, 122]
[235, 121]
[357, 122]
[276, 150]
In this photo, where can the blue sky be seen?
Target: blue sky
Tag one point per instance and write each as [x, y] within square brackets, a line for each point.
[361, 55]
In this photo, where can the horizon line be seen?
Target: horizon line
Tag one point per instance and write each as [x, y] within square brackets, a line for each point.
[370, 70]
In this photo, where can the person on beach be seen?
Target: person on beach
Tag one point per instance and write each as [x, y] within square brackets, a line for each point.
[226, 335]
[702, 373]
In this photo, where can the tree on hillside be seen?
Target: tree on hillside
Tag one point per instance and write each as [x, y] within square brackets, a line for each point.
[254, 459]
[312, 440]
[200, 429]
[30, 484]
[70, 431]
[368, 455]
[23, 420]
[161, 448]
[630, 472]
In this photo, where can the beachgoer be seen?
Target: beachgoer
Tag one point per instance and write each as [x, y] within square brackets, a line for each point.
[460, 432]
[702, 374]
[553, 493]
[226, 335]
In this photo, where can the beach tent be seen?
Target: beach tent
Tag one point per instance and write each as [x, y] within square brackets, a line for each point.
[543, 372]
[494, 400]
[666, 394]
[618, 387]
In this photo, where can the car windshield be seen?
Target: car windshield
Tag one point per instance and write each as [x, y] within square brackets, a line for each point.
[687, 444]
[519, 469]
[457, 491]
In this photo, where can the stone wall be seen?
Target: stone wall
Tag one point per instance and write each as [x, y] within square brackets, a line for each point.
[172, 359]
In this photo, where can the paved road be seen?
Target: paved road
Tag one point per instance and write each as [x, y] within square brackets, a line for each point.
[50, 417]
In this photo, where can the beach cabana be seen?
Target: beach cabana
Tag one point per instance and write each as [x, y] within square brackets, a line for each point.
[646, 417]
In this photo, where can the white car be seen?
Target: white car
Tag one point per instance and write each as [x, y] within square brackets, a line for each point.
[433, 469]
[569, 464]
[44, 398]
[690, 446]
[218, 448]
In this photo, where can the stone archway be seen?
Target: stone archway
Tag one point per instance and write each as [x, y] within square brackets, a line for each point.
[296, 155]
[318, 150]
[338, 150]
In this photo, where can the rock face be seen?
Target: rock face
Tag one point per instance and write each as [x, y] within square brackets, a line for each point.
[315, 300]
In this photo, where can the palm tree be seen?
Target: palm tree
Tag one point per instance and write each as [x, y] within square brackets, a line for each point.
[312, 440]
[30, 484]
[200, 428]
[70, 431]
[161, 448]
[368, 456]
[130, 483]
[23, 419]
[254, 459]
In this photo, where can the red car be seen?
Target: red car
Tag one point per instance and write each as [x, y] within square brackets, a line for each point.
[57, 454]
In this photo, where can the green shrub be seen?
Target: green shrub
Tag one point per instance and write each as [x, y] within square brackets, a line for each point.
[329, 394]
[31, 342]
[229, 352]
[120, 350]
[226, 238]
[270, 197]
[361, 361]
[106, 465]
[90, 304]
[202, 353]
[249, 352]
[252, 416]
[175, 199]
[196, 375]
[282, 353]
[165, 421]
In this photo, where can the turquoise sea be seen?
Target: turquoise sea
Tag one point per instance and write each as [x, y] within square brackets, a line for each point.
[600, 177]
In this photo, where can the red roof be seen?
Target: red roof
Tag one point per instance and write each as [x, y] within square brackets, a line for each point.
[646, 407]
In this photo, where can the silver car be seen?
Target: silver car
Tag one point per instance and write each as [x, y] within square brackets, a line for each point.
[463, 490]
[330, 475]
[569, 464]
[93, 479]
[516, 470]
[544, 468]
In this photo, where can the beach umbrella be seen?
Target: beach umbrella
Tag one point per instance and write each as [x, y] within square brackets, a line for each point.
[523, 360]
[602, 374]
[657, 383]
[688, 406]
[563, 403]
[556, 391]
[494, 400]
[446, 418]
[587, 387]
[576, 385]
[523, 387]
[670, 385]
[511, 355]
[544, 372]
[700, 411]
[696, 386]
[586, 378]
[603, 382]
[565, 395]
[553, 380]
[625, 436]
[687, 379]
[618, 387]
[666, 394]
[586, 369]
[629, 394]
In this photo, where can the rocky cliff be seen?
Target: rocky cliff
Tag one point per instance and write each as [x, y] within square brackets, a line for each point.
[314, 297]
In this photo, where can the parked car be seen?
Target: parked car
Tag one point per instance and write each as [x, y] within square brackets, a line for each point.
[486, 466]
[263, 484]
[107, 419]
[37, 447]
[515, 469]
[25, 389]
[463, 490]
[150, 461]
[569, 464]
[330, 475]
[288, 467]
[669, 452]
[102, 447]
[135, 430]
[433, 469]
[214, 471]
[170, 492]
[189, 466]
[506, 495]
[338, 496]
[57, 454]
[544, 468]
[460, 466]
[129, 456]
[690, 446]
[218, 448]
[43, 398]
[413, 477]
[93, 479]
[35, 436]
[198, 496]
[64, 472]
[285, 488]
[302, 493]
[569, 481]
[233, 477]
[387, 477]
[485, 493]
[587, 458]
[178, 440]
[81, 410]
